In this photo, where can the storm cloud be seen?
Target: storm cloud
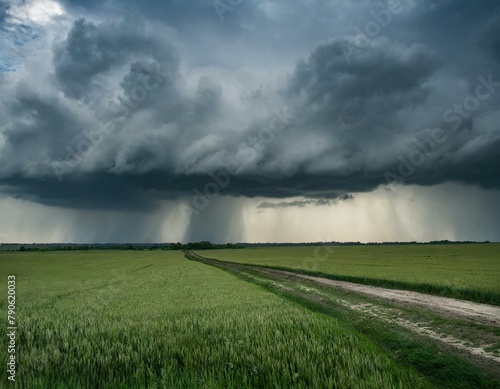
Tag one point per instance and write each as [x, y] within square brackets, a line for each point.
[4, 9]
[124, 105]
[303, 203]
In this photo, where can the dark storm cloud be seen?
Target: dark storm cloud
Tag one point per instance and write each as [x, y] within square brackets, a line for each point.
[285, 204]
[192, 18]
[377, 82]
[490, 39]
[109, 192]
[91, 50]
[4, 11]
[38, 126]
[457, 21]
[303, 203]
[172, 128]
[170, 11]
[459, 28]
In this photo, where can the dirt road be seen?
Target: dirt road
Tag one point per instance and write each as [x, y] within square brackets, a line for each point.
[483, 314]
[476, 312]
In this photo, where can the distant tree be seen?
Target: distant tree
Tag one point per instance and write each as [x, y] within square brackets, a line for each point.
[22, 248]
[205, 245]
[176, 246]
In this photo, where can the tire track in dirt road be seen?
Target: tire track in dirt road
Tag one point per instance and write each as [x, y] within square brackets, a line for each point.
[476, 312]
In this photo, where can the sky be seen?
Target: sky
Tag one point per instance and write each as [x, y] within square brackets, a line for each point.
[249, 121]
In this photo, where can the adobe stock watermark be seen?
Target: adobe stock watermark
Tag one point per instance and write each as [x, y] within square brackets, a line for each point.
[320, 255]
[422, 150]
[485, 87]
[89, 139]
[223, 6]
[371, 30]
[107, 293]
[220, 179]
[416, 157]
[11, 328]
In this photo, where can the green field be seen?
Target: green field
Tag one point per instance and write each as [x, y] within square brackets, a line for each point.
[152, 319]
[468, 271]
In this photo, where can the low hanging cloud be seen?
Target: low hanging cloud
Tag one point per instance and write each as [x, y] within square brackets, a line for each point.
[304, 203]
[120, 114]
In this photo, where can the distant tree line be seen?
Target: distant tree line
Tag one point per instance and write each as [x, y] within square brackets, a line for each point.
[203, 245]
[360, 243]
